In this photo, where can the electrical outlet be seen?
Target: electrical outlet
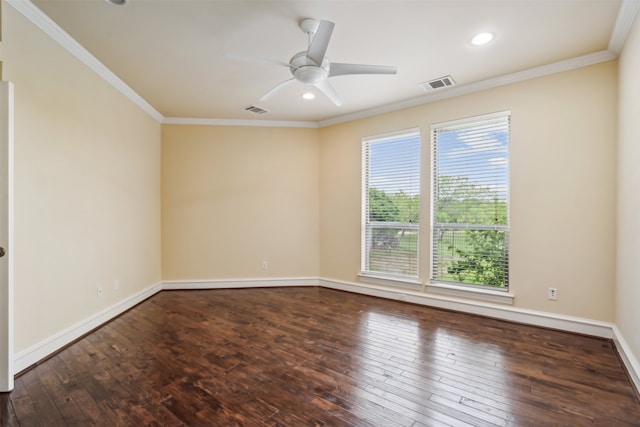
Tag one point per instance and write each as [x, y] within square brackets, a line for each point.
[553, 294]
[116, 284]
[265, 265]
[99, 291]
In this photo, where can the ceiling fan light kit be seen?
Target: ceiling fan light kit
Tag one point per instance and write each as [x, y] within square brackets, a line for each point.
[312, 67]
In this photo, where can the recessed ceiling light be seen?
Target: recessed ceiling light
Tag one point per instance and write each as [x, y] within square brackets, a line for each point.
[117, 2]
[308, 95]
[482, 38]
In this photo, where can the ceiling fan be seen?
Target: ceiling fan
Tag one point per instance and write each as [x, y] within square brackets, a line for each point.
[312, 67]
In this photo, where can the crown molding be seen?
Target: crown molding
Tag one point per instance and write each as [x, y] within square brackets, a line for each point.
[627, 14]
[238, 122]
[42, 21]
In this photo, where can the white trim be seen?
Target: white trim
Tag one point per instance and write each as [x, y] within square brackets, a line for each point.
[398, 282]
[519, 315]
[626, 15]
[48, 346]
[506, 114]
[271, 282]
[6, 290]
[628, 359]
[46, 24]
[239, 122]
[397, 134]
[491, 295]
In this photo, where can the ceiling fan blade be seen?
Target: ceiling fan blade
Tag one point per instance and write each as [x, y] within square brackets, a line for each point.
[326, 88]
[276, 89]
[255, 59]
[339, 69]
[320, 42]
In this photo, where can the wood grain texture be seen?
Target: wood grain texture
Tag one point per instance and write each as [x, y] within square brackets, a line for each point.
[320, 357]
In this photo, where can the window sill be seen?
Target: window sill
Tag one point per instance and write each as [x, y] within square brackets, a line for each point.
[398, 282]
[501, 297]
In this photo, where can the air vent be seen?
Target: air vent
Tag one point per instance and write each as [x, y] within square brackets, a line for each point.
[255, 109]
[438, 83]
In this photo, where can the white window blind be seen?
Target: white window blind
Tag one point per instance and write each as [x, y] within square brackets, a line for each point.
[470, 209]
[391, 200]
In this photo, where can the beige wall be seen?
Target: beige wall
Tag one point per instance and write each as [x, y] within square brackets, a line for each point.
[233, 197]
[628, 249]
[563, 187]
[87, 187]
[89, 174]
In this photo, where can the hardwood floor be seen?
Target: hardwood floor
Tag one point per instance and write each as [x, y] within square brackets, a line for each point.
[319, 357]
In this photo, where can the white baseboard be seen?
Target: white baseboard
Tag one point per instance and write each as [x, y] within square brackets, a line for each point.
[269, 282]
[512, 314]
[628, 358]
[41, 350]
[48, 346]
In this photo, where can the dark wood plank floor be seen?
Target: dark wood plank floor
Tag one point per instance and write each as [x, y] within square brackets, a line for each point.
[319, 357]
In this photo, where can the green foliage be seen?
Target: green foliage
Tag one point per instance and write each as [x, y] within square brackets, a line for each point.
[395, 207]
[381, 207]
[476, 256]
[481, 260]
[463, 202]
[408, 206]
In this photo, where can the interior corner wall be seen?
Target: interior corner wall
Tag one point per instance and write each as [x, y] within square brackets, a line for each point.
[563, 187]
[628, 244]
[235, 197]
[87, 187]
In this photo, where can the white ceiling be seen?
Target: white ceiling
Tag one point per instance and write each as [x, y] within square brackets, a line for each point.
[172, 52]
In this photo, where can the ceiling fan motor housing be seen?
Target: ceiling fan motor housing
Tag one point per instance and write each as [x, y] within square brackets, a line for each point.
[306, 71]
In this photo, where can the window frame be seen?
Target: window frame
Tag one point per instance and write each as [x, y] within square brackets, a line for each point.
[379, 277]
[486, 291]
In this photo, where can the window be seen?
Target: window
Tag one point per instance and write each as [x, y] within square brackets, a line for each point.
[391, 200]
[470, 209]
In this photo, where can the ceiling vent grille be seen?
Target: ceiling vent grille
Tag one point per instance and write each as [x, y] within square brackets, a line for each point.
[256, 110]
[438, 83]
